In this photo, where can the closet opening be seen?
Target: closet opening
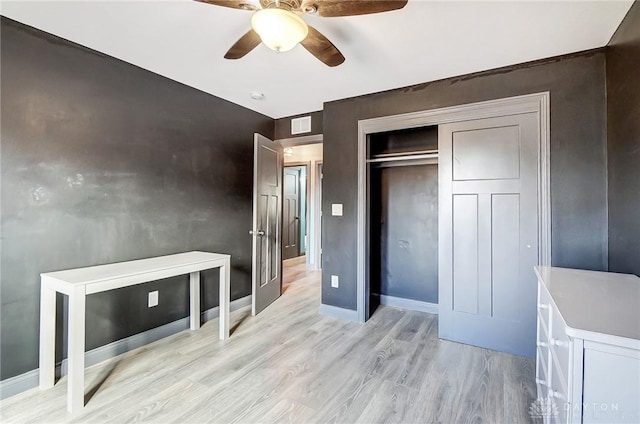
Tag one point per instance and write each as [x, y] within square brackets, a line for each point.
[402, 219]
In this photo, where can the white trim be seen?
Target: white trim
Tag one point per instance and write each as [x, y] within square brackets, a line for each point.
[544, 181]
[254, 222]
[314, 215]
[411, 304]
[336, 312]
[317, 214]
[30, 379]
[531, 103]
[300, 141]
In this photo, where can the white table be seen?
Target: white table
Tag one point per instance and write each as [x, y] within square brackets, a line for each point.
[80, 282]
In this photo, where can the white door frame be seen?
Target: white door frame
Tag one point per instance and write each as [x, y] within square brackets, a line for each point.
[530, 103]
[315, 204]
[317, 212]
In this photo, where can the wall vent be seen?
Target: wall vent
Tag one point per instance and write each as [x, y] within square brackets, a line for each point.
[301, 125]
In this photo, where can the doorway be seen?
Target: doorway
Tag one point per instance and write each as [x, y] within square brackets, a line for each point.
[308, 157]
[302, 162]
[403, 219]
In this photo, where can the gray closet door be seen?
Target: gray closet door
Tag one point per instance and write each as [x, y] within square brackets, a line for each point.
[488, 217]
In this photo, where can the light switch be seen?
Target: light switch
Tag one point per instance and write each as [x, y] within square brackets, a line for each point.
[335, 281]
[336, 209]
[153, 299]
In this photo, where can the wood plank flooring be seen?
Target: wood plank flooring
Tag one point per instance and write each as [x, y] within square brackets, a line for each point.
[291, 364]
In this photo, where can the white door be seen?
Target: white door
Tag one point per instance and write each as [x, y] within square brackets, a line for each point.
[488, 217]
[267, 223]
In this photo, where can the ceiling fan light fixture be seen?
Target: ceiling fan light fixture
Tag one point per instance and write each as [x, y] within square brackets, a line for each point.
[279, 29]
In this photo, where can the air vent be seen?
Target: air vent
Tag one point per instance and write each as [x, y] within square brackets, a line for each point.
[301, 125]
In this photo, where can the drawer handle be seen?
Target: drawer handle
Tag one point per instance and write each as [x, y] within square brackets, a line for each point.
[543, 306]
[542, 344]
[556, 342]
[541, 382]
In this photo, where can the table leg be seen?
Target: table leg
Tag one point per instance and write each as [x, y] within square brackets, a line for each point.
[75, 350]
[194, 299]
[47, 336]
[225, 271]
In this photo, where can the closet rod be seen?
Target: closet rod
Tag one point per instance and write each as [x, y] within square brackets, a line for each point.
[405, 157]
[413, 152]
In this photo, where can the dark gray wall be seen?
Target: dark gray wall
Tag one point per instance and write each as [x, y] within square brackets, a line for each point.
[623, 134]
[578, 156]
[283, 125]
[404, 219]
[102, 162]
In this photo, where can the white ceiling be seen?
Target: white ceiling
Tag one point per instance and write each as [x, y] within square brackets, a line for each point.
[427, 40]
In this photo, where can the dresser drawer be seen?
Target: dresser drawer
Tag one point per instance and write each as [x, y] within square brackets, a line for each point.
[559, 343]
[544, 307]
[558, 391]
[542, 371]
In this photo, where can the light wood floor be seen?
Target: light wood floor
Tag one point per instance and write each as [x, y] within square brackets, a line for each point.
[291, 364]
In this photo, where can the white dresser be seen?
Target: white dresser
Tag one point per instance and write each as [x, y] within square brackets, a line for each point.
[588, 349]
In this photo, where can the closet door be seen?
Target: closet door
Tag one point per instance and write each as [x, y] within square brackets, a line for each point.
[488, 217]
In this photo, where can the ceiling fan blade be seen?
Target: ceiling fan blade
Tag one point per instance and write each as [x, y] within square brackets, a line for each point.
[333, 8]
[244, 45]
[323, 49]
[234, 4]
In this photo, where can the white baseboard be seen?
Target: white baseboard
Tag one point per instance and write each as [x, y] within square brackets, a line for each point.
[30, 379]
[413, 305]
[336, 312]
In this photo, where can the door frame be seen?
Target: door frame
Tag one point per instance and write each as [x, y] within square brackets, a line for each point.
[317, 208]
[318, 215]
[531, 103]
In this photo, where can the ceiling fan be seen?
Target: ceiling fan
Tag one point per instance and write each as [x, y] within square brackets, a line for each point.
[279, 24]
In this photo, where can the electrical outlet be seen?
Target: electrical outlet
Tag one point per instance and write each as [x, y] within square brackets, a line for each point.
[153, 299]
[335, 281]
[336, 209]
